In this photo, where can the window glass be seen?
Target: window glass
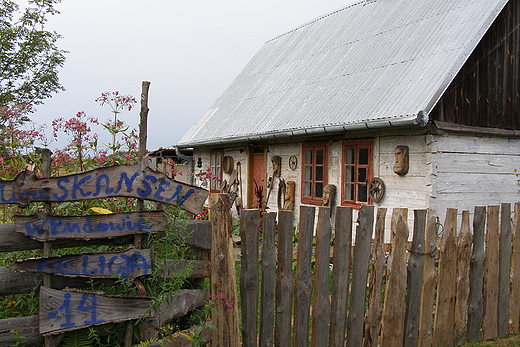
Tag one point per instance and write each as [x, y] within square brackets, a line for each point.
[349, 155]
[308, 157]
[319, 190]
[314, 173]
[363, 156]
[319, 157]
[357, 173]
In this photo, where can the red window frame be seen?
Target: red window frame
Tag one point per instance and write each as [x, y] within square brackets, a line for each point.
[357, 171]
[314, 173]
[216, 171]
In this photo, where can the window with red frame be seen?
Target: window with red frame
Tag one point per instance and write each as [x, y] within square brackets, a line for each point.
[216, 171]
[314, 173]
[357, 173]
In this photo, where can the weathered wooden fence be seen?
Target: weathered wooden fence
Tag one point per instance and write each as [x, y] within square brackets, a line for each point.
[62, 309]
[456, 281]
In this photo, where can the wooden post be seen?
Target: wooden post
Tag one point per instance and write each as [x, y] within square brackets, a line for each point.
[284, 280]
[268, 280]
[340, 275]
[443, 333]
[504, 270]
[392, 330]
[249, 230]
[514, 308]
[303, 284]
[223, 275]
[147, 332]
[476, 276]
[321, 305]
[362, 246]
[415, 270]
[463, 264]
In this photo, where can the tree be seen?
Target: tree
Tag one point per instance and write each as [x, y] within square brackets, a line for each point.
[29, 56]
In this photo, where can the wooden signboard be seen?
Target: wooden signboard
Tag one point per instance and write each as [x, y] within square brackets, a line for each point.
[136, 181]
[61, 311]
[130, 264]
[44, 227]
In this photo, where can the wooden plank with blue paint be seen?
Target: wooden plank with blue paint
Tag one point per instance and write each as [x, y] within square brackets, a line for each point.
[130, 264]
[135, 181]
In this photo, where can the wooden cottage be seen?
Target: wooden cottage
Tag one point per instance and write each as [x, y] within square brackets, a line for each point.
[396, 103]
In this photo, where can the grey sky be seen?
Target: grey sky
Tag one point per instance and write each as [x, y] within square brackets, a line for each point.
[189, 50]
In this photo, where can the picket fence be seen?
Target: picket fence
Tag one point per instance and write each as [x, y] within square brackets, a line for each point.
[449, 285]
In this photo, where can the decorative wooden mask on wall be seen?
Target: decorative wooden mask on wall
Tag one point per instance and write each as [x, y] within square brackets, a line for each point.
[401, 160]
[277, 166]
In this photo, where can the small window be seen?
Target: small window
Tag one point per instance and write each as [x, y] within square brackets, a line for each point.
[357, 173]
[216, 171]
[314, 174]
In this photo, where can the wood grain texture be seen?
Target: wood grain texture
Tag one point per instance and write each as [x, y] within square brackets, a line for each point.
[464, 244]
[361, 260]
[514, 307]
[375, 281]
[340, 275]
[249, 281]
[444, 334]
[504, 269]
[419, 250]
[392, 330]
[303, 282]
[321, 301]
[491, 274]
[284, 280]
[267, 304]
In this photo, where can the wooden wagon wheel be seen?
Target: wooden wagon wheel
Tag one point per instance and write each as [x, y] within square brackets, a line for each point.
[377, 189]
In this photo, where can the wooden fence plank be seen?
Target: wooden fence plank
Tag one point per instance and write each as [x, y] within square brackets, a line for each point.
[504, 270]
[249, 230]
[463, 264]
[340, 275]
[284, 280]
[268, 280]
[359, 276]
[443, 333]
[392, 329]
[491, 271]
[223, 275]
[321, 302]
[514, 308]
[303, 283]
[429, 283]
[476, 276]
[179, 304]
[375, 281]
[415, 269]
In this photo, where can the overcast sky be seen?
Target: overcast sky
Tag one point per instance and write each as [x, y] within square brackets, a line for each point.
[189, 50]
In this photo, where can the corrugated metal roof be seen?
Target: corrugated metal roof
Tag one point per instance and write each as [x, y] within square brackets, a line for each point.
[371, 64]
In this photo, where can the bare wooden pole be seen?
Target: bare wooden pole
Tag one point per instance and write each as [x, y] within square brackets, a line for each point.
[143, 135]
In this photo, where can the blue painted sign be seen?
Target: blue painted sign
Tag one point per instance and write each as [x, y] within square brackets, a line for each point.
[66, 310]
[115, 181]
[130, 264]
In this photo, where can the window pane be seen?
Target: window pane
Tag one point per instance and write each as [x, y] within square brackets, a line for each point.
[362, 193]
[349, 155]
[349, 174]
[307, 189]
[308, 173]
[349, 192]
[319, 157]
[319, 173]
[362, 174]
[319, 190]
[363, 156]
[308, 156]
